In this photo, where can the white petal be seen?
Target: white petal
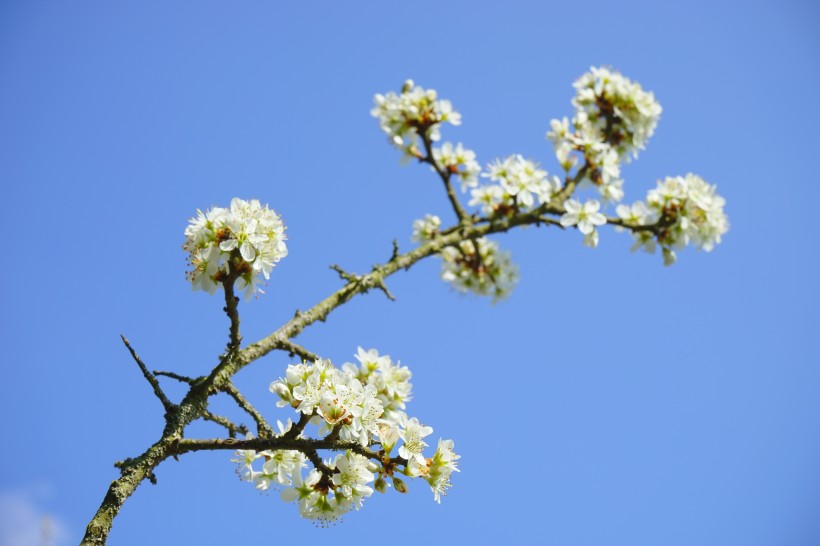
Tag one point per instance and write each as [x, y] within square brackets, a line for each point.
[247, 251]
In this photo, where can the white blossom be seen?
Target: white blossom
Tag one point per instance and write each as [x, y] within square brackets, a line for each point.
[440, 467]
[691, 211]
[425, 229]
[612, 109]
[358, 403]
[479, 267]
[414, 111]
[459, 162]
[412, 437]
[518, 183]
[585, 216]
[245, 239]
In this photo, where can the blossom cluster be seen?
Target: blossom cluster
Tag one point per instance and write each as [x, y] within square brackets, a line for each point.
[688, 210]
[612, 109]
[614, 118]
[478, 266]
[414, 112]
[359, 405]
[425, 229]
[518, 184]
[458, 161]
[243, 241]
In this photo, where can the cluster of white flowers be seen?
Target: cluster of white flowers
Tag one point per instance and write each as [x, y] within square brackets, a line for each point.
[688, 211]
[245, 240]
[694, 211]
[614, 118]
[586, 217]
[413, 112]
[459, 162]
[278, 466]
[518, 184]
[425, 229]
[362, 404]
[612, 109]
[479, 267]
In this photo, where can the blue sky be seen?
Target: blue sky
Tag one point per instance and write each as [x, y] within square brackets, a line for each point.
[610, 400]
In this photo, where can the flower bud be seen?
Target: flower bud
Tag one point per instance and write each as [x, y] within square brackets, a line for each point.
[380, 485]
[400, 486]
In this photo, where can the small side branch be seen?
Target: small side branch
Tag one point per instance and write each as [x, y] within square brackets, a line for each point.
[167, 404]
[395, 253]
[368, 281]
[445, 178]
[172, 375]
[263, 429]
[185, 445]
[232, 428]
[383, 287]
[344, 275]
[231, 309]
[298, 350]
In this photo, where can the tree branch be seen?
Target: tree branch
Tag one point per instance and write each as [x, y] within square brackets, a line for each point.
[262, 426]
[232, 428]
[445, 177]
[194, 404]
[167, 404]
[180, 378]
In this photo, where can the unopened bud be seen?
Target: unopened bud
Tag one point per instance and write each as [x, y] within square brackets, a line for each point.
[408, 86]
[380, 485]
[400, 486]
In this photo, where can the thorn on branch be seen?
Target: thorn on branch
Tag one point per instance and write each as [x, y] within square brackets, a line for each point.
[172, 375]
[394, 256]
[349, 277]
[383, 287]
[169, 406]
[123, 463]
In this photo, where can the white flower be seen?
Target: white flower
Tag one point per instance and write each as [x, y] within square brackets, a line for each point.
[585, 216]
[415, 109]
[591, 239]
[413, 444]
[441, 466]
[426, 228]
[519, 182]
[637, 214]
[245, 239]
[460, 162]
[479, 267]
[352, 478]
[278, 467]
[563, 142]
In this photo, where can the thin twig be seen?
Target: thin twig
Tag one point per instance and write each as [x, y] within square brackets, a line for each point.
[172, 375]
[232, 428]
[445, 178]
[262, 426]
[294, 349]
[167, 404]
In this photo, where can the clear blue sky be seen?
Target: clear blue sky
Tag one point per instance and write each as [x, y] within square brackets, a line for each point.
[609, 401]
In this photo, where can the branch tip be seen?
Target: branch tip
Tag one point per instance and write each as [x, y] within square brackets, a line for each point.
[151, 378]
